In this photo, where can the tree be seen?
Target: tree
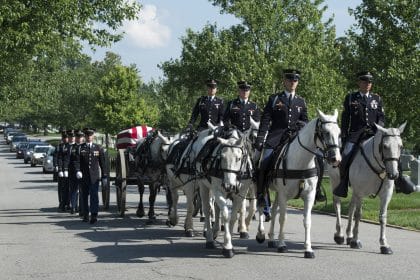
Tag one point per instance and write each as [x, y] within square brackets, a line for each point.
[33, 30]
[385, 40]
[118, 104]
[273, 35]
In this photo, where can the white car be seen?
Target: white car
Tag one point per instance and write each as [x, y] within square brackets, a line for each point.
[48, 164]
[38, 155]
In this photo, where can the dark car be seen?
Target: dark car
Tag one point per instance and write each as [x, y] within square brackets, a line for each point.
[28, 150]
[17, 138]
[19, 149]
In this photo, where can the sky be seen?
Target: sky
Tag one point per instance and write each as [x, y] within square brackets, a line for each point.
[155, 37]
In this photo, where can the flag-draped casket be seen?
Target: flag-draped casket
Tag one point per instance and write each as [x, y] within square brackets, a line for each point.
[131, 136]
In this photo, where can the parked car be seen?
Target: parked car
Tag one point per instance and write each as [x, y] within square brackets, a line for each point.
[37, 156]
[17, 138]
[27, 152]
[10, 135]
[48, 163]
[19, 149]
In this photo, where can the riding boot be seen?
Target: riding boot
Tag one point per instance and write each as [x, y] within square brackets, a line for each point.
[342, 188]
[261, 202]
[404, 184]
[319, 194]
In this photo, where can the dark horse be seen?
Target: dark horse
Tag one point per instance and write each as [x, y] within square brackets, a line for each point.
[150, 157]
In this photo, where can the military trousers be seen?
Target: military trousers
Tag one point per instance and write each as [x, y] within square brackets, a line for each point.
[74, 191]
[90, 198]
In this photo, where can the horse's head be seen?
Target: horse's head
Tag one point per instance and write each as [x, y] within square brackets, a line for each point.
[388, 145]
[328, 137]
[165, 143]
[233, 161]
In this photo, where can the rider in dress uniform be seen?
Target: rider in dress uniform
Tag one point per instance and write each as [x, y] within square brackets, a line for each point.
[240, 110]
[284, 114]
[91, 163]
[73, 180]
[361, 110]
[62, 168]
[209, 108]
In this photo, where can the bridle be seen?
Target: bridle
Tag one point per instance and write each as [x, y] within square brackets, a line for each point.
[326, 148]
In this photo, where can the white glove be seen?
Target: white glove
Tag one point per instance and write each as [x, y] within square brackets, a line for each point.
[66, 174]
[79, 175]
[56, 169]
[60, 174]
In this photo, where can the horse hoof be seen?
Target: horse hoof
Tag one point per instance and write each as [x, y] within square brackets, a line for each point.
[282, 249]
[348, 240]
[173, 222]
[355, 244]
[273, 244]
[210, 245]
[140, 213]
[309, 255]
[222, 228]
[243, 235]
[227, 253]
[152, 217]
[189, 233]
[168, 223]
[260, 238]
[386, 250]
[339, 239]
[202, 219]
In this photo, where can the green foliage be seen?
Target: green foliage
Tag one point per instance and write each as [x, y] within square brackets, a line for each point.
[385, 40]
[273, 35]
[118, 104]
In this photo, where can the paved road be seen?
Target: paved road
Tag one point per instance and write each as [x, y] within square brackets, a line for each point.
[37, 242]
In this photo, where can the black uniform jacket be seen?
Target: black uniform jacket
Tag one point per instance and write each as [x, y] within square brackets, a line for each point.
[280, 116]
[91, 159]
[74, 158]
[208, 110]
[359, 115]
[63, 156]
[239, 114]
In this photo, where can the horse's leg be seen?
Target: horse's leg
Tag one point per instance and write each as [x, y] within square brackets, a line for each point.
[227, 242]
[355, 243]
[252, 206]
[383, 212]
[140, 207]
[153, 187]
[173, 212]
[307, 221]
[272, 242]
[189, 190]
[282, 205]
[339, 234]
[208, 231]
[215, 217]
[260, 230]
[239, 205]
[168, 198]
[349, 229]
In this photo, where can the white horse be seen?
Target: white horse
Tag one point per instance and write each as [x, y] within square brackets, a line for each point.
[228, 176]
[184, 177]
[300, 177]
[372, 172]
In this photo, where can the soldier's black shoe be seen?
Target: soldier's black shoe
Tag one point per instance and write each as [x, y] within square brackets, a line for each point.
[319, 196]
[261, 200]
[341, 189]
[71, 211]
[93, 219]
[85, 219]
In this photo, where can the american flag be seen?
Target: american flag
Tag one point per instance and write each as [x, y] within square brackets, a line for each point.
[131, 136]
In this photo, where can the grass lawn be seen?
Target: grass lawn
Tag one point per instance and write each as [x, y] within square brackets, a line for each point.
[403, 210]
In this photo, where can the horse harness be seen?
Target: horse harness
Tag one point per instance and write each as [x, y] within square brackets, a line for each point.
[285, 173]
[381, 173]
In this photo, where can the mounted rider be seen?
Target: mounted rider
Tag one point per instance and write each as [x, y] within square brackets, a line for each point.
[239, 111]
[284, 115]
[361, 111]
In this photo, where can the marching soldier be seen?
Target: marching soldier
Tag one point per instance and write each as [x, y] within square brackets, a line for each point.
[210, 108]
[91, 162]
[240, 110]
[362, 109]
[62, 168]
[73, 180]
[284, 114]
